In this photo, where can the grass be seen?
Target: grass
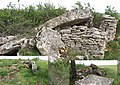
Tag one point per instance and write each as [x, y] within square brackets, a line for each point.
[118, 73]
[23, 76]
[29, 52]
[59, 73]
[111, 71]
[114, 53]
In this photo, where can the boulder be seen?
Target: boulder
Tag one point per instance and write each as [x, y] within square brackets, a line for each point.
[93, 66]
[11, 47]
[92, 69]
[30, 65]
[49, 43]
[34, 67]
[99, 72]
[95, 80]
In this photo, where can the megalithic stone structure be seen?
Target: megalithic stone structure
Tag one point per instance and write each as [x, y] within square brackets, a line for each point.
[74, 29]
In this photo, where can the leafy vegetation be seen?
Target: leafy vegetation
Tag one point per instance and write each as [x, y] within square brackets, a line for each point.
[14, 21]
[58, 73]
[13, 72]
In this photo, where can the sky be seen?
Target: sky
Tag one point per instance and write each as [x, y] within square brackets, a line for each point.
[97, 62]
[24, 57]
[99, 5]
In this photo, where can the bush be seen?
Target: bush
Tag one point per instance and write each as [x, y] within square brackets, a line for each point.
[14, 21]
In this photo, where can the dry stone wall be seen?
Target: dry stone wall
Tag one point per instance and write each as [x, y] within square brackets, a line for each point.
[77, 31]
[108, 27]
[87, 40]
[91, 41]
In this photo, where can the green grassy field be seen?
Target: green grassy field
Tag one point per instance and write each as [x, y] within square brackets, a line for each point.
[111, 71]
[118, 74]
[19, 75]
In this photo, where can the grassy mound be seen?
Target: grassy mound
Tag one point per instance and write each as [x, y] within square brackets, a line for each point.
[13, 72]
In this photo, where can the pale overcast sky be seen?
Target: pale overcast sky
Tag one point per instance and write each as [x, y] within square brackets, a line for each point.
[99, 5]
[97, 62]
[24, 57]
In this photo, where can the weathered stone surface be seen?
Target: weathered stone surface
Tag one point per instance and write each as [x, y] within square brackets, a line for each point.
[14, 45]
[75, 28]
[49, 42]
[108, 25]
[92, 69]
[95, 80]
[27, 47]
[93, 66]
[68, 19]
[11, 47]
[31, 65]
[6, 39]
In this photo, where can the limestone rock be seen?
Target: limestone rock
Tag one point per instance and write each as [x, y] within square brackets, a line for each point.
[108, 25]
[28, 48]
[95, 80]
[92, 69]
[49, 42]
[30, 65]
[34, 67]
[68, 18]
[6, 39]
[93, 66]
[11, 47]
[80, 57]
[77, 31]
